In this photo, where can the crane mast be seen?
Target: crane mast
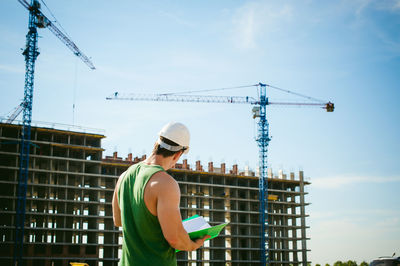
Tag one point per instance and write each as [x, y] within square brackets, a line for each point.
[31, 52]
[36, 20]
[263, 139]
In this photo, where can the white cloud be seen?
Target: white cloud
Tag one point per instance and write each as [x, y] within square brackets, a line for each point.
[12, 69]
[357, 234]
[391, 5]
[364, 21]
[176, 19]
[247, 29]
[258, 19]
[361, 5]
[347, 238]
[345, 180]
[390, 223]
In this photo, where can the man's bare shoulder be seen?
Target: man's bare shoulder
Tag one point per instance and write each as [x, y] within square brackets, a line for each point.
[162, 180]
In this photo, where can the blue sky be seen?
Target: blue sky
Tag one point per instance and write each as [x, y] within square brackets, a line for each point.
[347, 52]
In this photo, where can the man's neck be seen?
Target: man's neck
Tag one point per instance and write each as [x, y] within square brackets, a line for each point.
[164, 162]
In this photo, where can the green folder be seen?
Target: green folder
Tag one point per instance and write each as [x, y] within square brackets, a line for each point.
[213, 231]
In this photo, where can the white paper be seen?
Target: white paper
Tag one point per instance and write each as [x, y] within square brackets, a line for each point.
[195, 224]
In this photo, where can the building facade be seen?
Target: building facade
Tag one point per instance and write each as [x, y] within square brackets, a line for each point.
[69, 214]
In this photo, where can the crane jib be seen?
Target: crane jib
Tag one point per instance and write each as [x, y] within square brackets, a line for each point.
[43, 22]
[213, 99]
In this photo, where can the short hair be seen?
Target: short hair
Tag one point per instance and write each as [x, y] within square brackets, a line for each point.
[158, 150]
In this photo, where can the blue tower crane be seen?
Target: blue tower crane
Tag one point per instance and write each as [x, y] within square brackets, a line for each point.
[36, 20]
[263, 139]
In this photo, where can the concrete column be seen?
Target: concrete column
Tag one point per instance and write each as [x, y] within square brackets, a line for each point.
[198, 166]
[129, 159]
[210, 167]
[235, 169]
[303, 220]
[223, 168]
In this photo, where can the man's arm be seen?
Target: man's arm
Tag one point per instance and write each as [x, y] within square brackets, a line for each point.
[169, 216]
[115, 206]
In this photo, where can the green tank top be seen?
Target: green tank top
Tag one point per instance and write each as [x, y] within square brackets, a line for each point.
[143, 241]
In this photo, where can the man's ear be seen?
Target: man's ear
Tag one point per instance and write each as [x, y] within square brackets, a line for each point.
[177, 155]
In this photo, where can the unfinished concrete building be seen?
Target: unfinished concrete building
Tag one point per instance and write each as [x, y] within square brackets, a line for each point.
[69, 215]
[68, 211]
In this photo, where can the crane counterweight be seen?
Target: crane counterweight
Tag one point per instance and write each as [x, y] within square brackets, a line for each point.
[330, 107]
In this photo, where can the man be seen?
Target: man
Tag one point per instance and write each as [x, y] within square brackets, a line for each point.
[146, 204]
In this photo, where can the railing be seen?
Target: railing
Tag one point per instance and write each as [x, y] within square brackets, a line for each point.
[59, 126]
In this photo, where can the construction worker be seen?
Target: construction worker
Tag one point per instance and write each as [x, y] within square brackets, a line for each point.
[146, 204]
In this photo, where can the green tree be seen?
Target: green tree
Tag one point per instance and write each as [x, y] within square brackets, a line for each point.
[327, 264]
[317, 264]
[351, 263]
[364, 263]
[338, 263]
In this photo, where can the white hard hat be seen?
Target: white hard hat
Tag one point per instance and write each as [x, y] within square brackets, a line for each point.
[176, 132]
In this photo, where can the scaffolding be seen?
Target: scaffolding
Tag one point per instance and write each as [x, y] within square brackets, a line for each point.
[69, 214]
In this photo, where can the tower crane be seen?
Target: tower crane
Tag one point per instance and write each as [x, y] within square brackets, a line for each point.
[263, 139]
[36, 20]
[15, 113]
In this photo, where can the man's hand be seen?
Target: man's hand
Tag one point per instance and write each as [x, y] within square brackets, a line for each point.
[199, 242]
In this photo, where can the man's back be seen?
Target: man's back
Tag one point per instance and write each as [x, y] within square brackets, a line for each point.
[144, 241]
[146, 204]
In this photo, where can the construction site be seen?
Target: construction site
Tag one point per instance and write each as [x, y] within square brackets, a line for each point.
[57, 182]
[68, 213]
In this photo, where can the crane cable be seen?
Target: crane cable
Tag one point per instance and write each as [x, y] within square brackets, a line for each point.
[296, 93]
[220, 89]
[55, 19]
[247, 86]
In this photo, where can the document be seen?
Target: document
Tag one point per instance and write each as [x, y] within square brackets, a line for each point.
[197, 227]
